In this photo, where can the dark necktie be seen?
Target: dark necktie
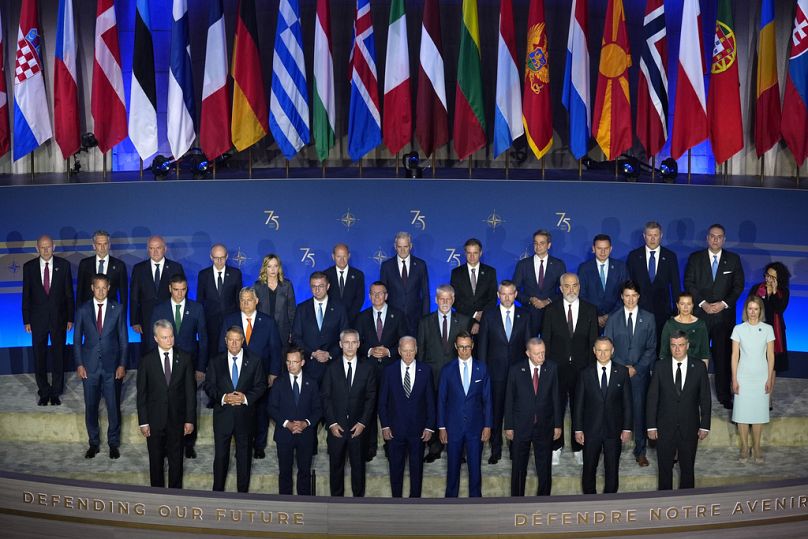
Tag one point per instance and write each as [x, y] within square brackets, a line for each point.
[296, 390]
[219, 283]
[99, 322]
[167, 367]
[474, 281]
[630, 325]
[652, 266]
[100, 266]
[407, 382]
[341, 283]
[46, 279]
[157, 277]
[379, 326]
[570, 327]
[541, 274]
[350, 373]
[535, 380]
[604, 385]
[678, 380]
[445, 334]
[177, 317]
[404, 275]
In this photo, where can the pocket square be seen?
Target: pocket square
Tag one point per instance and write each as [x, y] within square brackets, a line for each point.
[477, 381]
[730, 271]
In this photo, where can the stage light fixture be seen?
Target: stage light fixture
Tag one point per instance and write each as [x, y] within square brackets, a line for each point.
[88, 141]
[669, 170]
[160, 167]
[200, 166]
[411, 165]
[630, 168]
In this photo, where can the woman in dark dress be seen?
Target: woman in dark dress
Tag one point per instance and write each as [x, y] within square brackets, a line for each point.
[276, 296]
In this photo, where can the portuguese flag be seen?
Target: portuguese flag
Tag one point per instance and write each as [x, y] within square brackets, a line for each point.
[249, 122]
[469, 118]
[724, 101]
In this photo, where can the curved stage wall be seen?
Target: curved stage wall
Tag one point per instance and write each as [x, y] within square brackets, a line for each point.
[301, 220]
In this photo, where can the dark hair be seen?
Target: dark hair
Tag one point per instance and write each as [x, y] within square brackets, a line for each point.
[679, 334]
[378, 283]
[718, 226]
[604, 338]
[602, 237]
[102, 277]
[783, 275]
[473, 241]
[294, 350]
[177, 278]
[629, 285]
[463, 335]
[235, 329]
[507, 282]
[545, 233]
[318, 275]
[683, 294]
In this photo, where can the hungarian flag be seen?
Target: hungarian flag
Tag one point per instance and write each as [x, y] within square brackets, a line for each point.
[432, 118]
[795, 102]
[724, 101]
[469, 118]
[5, 138]
[767, 105]
[108, 108]
[652, 94]
[690, 107]
[250, 120]
[214, 128]
[537, 110]
[324, 113]
[143, 90]
[397, 118]
[65, 89]
[611, 123]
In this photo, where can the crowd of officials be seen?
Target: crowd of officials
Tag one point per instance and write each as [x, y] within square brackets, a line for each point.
[625, 345]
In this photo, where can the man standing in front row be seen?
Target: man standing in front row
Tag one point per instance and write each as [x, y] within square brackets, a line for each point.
[533, 415]
[465, 415]
[166, 404]
[678, 412]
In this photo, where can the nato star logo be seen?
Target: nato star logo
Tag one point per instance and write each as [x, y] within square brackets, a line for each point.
[13, 267]
[524, 254]
[240, 257]
[493, 220]
[348, 219]
[379, 256]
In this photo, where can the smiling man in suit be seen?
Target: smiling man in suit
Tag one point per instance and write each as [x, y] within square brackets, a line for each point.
[602, 420]
[407, 281]
[533, 415]
[537, 279]
[102, 262]
[99, 348]
[407, 415]
[465, 415]
[601, 278]
[217, 289]
[348, 283]
[714, 277]
[504, 332]
[47, 311]
[633, 333]
[235, 381]
[166, 404]
[296, 407]
[475, 284]
[149, 286]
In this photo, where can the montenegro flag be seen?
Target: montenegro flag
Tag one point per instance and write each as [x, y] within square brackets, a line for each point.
[249, 122]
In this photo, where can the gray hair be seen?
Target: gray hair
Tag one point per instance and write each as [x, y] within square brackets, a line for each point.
[162, 324]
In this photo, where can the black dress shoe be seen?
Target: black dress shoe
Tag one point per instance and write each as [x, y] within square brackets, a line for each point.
[493, 459]
[190, 453]
[92, 451]
[43, 401]
[259, 454]
[431, 457]
[55, 401]
[728, 405]
[114, 453]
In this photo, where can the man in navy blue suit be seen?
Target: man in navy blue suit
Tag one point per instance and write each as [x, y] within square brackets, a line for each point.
[190, 334]
[102, 262]
[504, 332]
[407, 416]
[99, 348]
[601, 278]
[633, 332]
[296, 407]
[217, 288]
[465, 415]
[537, 278]
[148, 287]
[407, 281]
[262, 339]
[347, 283]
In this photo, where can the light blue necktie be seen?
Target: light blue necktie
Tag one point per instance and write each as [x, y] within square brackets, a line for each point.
[715, 266]
[320, 316]
[603, 276]
[508, 325]
[465, 377]
[234, 373]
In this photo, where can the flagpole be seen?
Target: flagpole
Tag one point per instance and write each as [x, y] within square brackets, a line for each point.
[104, 165]
[762, 164]
[32, 167]
[396, 164]
[287, 168]
[507, 164]
[214, 169]
[360, 167]
[615, 168]
[653, 168]
[249, 162]
[580, 169]
[470, 157]
[141, 168]
[688, 166]
[542, 168]
[323, 164]
[177, 168]
[434, 163]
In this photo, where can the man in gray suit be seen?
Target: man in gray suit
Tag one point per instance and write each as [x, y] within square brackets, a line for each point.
[633, 332]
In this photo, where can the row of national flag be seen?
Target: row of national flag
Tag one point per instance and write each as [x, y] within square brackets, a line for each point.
[523, 102]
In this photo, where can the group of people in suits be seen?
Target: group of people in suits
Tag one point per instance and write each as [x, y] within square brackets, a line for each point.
[495, 358]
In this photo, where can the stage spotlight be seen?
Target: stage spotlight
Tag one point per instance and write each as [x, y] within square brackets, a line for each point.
[411, 165]
[587, 162]
[669, 169]
[160, 167]
[199, 166]
[88, 141]
[630, 169]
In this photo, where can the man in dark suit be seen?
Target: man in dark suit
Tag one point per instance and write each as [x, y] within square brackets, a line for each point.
[190, 335]
[436, 337]
[99, 348]
[465, 415]
[348, 283]
[714, 277]
[217, 288]
[678, 412]
[655, 269]
[349, 398]
[601, 278]
[475, 284]
[380, 327]
[603, 416]
[296, 406]
[262, 340]
[166, 404]
[317, 326]
[407, 415]
[149, 286]
[633, 333]
[536, 279]
[569, 331]
[407, 281]
[47, 311]
[235, 381]
[504, 332]
[102, 262]
[533, 415]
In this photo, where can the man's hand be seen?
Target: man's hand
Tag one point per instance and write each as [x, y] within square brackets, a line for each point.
[200, 377]
[379, 352]
[652, 434]
[486, 434]
[28, 328]
[271, 379]
[145, 431]
[120, 372]
[82, 372]
[356, 430]
[387, 434]
[69, 326]
[602, 320]
[336, 430]
[426, 435]
[509, 435]
[703, 434]
[625, 436]
[321, 356]
[443, 437]
[579, 437]
[188, 428]
[137, 329]
[631, 371]
[475, 329]
[556, 434]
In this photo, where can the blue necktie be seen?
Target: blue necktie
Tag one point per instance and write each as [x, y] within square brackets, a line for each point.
[603, 383]
[508, 325]
[715, 266]
[603, 275]
[652, 266]
[320, 316]
[296, 390]
[234, 373]
[465, 377]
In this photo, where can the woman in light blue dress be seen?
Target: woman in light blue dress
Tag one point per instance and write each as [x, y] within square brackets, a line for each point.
[752, 376]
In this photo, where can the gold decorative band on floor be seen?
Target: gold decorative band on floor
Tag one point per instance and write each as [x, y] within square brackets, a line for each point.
[79, 504]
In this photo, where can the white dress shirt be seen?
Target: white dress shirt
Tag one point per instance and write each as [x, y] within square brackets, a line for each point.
[404, 371]
[42, 269]
[103, 310]
[537, 264]
[503, 311]
[162, 267]
[292, 377]
[656, 258]
[174, 309]
[106, 264]
[575, 306]
[239, 362]
[406, 262]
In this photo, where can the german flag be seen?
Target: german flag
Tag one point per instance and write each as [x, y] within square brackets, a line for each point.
[249, 122]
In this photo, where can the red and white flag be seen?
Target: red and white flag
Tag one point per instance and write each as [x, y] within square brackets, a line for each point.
[214, 132]
[432, 118]
[65, 89]
[108, 108]
[690, 107]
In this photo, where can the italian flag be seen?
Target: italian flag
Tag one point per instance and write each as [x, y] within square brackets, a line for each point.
[323, 82]
[469, 118]
[397, 119]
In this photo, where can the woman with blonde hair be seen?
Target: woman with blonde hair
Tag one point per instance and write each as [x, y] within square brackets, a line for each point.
[276, 296]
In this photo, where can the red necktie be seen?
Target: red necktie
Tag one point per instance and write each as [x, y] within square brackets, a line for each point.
[46, 279]
[541, 274]
[569, 319]
[99, 324]
[379, 326]
[536, 380]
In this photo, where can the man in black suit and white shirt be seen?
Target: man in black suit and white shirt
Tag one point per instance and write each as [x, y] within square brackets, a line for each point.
[407, 281]
[714, 277]
[106, 264]
[475, 285]
[217, 289]
[347, 283]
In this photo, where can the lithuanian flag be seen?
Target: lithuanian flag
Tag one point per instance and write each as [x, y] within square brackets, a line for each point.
[469, 118]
